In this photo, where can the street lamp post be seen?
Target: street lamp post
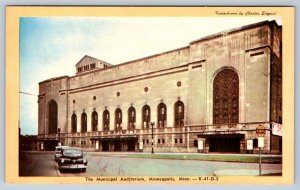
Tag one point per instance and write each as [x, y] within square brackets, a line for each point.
[152, 124]
[58, 130]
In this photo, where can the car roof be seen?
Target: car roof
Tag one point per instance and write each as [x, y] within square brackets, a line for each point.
[61, 146]
[72, 148]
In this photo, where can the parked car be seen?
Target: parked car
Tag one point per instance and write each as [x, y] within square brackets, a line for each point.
[72, 158]
[58, 152]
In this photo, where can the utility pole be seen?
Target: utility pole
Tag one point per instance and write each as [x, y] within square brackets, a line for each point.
[152, 151]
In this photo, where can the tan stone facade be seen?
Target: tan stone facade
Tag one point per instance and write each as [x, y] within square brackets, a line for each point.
[182, 80]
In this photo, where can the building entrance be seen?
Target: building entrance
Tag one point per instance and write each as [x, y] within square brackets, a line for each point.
[224, 143]
[117, 143]
[131, 145]
[105, 146]
[50, 145]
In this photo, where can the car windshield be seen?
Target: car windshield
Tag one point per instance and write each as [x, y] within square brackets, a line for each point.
[72, 152]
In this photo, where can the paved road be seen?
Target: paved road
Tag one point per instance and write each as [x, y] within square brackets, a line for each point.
[42, 164]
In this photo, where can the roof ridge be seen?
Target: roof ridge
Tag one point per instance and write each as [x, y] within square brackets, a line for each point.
[85, 56]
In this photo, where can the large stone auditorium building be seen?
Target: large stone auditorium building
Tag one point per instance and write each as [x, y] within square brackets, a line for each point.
[209, 96]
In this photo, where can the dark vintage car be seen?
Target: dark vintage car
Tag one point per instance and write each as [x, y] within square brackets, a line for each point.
[72, 158]
[58, 152]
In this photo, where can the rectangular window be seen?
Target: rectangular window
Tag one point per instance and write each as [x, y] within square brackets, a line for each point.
[225, 104]
[234, 103]
[234, 118]
[158, 141]
[225, 119]
[180, 109]
[180, 141]
[175, 140]
[163, 141]
[280, 119]
[147, 141]
[280, 106]
[255, 54]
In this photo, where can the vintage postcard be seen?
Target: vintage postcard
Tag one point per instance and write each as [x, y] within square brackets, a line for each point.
[150, 95]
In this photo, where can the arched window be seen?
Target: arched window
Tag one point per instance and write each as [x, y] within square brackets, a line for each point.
[83, 122]
[106, 120]
[118, 119]
[179, 113]
[94, 121]
[161, 115]
[74, 123]
[146, 116]
[131, 118]
[52, 117]
[226, 97]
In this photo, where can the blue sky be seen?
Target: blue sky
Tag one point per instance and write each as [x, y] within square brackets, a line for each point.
[50, 47]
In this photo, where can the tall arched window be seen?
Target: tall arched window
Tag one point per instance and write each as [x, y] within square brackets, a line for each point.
[131, 118]
[74, 123]
[52, 117]
[146, 116]
[106, 120]
[226, 97]
[179, 113]
[83, 122]
[161, 115]
[94, 121]
[118, 119]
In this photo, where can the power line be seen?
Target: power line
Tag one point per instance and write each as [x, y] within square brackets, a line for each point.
[27, 93]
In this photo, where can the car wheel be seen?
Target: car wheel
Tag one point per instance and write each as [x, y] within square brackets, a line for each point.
[83, 170]
[61, 170]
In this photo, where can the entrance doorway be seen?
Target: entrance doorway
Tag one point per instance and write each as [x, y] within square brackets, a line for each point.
[105, 146]
[131, 145]
[229, 144]
[117, 145]
[223, 143]
[50, 145]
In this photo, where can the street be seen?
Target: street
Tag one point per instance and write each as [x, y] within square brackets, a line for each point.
[117, 164]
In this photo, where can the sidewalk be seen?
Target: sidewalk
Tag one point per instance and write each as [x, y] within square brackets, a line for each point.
[249, 172]
[198, 154]
[169, 153]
